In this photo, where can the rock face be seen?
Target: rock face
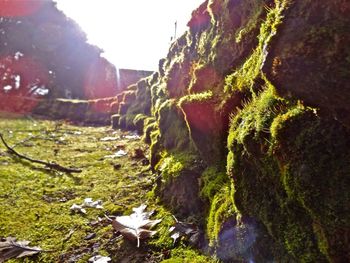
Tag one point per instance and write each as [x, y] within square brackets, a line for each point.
[251, 106]
[319, 54]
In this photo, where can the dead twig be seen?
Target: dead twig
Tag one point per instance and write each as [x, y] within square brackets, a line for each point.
[51, 165]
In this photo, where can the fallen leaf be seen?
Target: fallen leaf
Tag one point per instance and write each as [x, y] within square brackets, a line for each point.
[78, 208]
[88, 202]
[99, 259]
[132, 137]
[182, 229]
[137, 225]
[9, 248]
[118, 154]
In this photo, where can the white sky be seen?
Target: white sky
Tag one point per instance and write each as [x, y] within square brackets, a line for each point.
[134, 34]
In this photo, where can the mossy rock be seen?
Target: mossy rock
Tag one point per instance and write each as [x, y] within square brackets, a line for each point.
[307, 40]
[122, 122]
[129, 96]
[150, 125]
[290, 172]
[123, 108]
[315, 161]
[115, 121]
[138, 122]
[204, 125]
[114, 107]
[180, 194]
[173, 130]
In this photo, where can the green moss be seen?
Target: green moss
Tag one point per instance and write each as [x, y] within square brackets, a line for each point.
[150, 125]
[281, 119]
[138, 122]
[198, 97]
[185, 255]
[315, 171]
[256, 116]
[35, 202]
[173, 163]
[244, 77]
[163, 240]
[289, 167]
[173, 130]
[222, 207]
[213, 180]
[252, 24]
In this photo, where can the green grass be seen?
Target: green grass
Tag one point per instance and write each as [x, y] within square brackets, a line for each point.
[35, 202]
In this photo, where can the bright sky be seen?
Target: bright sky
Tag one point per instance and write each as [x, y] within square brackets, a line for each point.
[134, 34]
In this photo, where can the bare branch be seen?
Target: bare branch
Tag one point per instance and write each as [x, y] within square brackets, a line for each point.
[51, 165]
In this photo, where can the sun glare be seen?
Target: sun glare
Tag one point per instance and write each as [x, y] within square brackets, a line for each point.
[134, 34]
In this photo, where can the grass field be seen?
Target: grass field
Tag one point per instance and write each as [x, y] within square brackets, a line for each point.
[35, 201]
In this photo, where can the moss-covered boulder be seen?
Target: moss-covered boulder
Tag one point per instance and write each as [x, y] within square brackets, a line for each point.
[310, 58]
[290, 172]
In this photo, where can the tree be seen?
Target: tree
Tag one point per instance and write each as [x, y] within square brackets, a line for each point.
[44, 53]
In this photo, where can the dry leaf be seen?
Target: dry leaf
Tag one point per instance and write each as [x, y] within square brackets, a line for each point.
[137, 225]
[99, 259]
[118, 154]
[78, 208]
[182, 229]
[88, 202]
[132, 137]
[9, 248]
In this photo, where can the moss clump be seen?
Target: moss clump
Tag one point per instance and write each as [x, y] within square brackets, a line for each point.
[178, 186]
[197, 97]
[173, 163]
[213, 180]
[258, 190]
[222, 207]
[185, 255]
[257, 116]
[163, 239]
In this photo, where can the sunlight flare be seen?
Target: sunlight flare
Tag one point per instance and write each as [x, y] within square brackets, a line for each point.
[134, 34]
